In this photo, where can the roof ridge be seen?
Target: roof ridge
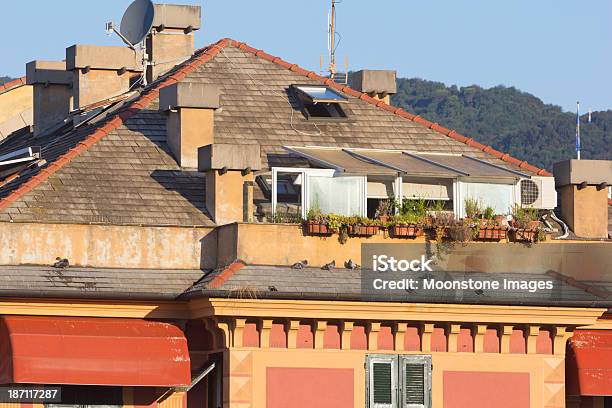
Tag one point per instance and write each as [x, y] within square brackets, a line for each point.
[13, 84]
[453, 134]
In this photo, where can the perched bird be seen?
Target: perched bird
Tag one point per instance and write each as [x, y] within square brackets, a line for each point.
[272, 289]
[61, 263]
[329, 266]
[350, 264]
[300, 264]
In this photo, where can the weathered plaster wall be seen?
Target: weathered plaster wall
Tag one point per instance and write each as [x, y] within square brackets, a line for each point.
[108, 246]
[284, 244]
[585, 211]
[15, 109]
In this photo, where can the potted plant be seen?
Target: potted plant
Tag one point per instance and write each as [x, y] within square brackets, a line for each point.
[484, 224]
[491, 230]
[440, 222]
[362, 226]
[316, 223]
[525, 223]
[384, 210]
[460, 231]
[490, 226]
[405, 226]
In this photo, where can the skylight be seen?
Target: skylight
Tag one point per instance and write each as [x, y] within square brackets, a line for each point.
[320, 94]
[320, 102]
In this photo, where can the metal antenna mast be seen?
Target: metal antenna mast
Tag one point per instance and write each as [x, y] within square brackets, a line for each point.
[332, 41]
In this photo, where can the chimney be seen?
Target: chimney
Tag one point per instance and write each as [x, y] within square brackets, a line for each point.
[171, 40]
[378, 84]
[229, 180]
[53, 93]
[101, 72]
[190, 121]
[583, 190]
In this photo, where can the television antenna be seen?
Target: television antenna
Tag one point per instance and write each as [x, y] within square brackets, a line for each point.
[333, 41]
[136, 24]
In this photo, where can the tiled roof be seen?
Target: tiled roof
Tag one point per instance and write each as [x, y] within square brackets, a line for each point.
[12, 84]
[345, 284]
[40, 281]
[119, 170]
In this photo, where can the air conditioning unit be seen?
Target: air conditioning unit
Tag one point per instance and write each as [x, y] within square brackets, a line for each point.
[538, 192]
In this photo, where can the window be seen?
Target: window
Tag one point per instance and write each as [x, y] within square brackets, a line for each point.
[380, 189]
[318, 94]
[398, 381]
[320, 102]
[498, 196]
[337, 195]
[324, 110]
[288, 190]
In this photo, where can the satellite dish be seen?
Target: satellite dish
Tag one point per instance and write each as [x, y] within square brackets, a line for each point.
[137, 21]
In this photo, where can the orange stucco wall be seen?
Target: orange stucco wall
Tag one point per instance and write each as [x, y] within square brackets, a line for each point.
[585, 211]
[528, 381]
[486, 389]
[309, 387]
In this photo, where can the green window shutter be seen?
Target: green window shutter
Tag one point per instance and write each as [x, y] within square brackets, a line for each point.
[415, 380]
[383, 387]
[382, 375]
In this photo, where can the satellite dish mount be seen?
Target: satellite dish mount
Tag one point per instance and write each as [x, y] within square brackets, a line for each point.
[136, 24]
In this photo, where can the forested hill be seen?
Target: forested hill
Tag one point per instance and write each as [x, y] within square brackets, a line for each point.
[5, 79]
[509, 120]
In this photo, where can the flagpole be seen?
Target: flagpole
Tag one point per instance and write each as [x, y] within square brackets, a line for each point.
[578, 130]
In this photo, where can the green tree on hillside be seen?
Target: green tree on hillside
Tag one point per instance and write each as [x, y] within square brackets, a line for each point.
[507, 119]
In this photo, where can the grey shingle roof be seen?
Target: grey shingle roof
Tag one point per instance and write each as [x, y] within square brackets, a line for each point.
[129, 177]
[345, 284]
[258, 108]
[40, 281]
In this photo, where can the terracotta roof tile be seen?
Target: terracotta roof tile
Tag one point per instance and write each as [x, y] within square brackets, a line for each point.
[13, 84]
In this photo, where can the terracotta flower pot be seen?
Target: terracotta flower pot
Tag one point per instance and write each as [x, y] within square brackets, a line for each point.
[525, 234]
[316, 228]
[405, 231]
[492, 232]
[363, 230]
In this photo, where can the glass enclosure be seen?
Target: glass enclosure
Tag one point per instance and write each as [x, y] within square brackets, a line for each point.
[500, 197]
[337, 195]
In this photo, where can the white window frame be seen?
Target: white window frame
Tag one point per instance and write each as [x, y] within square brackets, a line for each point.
[424, 360]
[382, 358]
[397, 379]
[306, 173]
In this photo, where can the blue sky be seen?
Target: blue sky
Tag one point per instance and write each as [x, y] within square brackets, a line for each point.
[559, 50]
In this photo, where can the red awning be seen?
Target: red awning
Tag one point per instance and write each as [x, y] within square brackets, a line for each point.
[92, 351]
[589, 363]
